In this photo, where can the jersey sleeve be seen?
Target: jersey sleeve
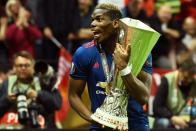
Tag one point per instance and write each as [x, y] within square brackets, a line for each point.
[80, 64]
[147, 67]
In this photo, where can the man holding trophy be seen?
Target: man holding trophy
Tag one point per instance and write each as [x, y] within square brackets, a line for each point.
[118, 86]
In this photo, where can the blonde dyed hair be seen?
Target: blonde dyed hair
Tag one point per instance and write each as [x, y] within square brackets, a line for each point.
[8, 6]
[113, 10]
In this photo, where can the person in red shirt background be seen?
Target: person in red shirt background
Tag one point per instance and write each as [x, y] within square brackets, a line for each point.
[22, 34]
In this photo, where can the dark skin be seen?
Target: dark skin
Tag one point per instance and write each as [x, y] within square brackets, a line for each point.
[105, 33]
[138, 87]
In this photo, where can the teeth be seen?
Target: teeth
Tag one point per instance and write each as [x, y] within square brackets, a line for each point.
[96, 36]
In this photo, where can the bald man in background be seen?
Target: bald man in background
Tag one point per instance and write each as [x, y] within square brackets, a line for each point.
[164, 51]
[189, 26]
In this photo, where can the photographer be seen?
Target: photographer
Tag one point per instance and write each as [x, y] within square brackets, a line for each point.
[22, 94]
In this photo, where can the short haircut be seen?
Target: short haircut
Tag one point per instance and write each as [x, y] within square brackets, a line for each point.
[187, 61]
[112, 10]
[24, 54]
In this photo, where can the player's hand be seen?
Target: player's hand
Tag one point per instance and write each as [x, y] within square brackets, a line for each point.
[121, 128]
[120, 56]
[97, 124]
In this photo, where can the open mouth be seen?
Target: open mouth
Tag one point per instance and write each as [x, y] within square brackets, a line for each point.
[96, 34]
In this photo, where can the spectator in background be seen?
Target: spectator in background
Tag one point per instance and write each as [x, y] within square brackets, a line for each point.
[21, 35]
[32, 5]
[59, 19]
[86, 8]
[3, 27]
[135, 10]
[175, 102]
[4, 73]
[24, 82]
[3, 48]
[84, 34]
[48, 78]
[164, 50]
[187, 42]
[12, 10]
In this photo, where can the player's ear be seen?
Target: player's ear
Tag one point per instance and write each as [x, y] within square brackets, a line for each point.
[116, 23]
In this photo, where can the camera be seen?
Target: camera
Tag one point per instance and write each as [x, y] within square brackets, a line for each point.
[33, 114]
[27, 113]
[22, 109]
[46, 74]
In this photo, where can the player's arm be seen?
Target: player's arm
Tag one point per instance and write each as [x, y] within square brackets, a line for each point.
[138, 87]
[76, 88]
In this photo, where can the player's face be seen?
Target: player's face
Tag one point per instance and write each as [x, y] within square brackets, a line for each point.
[101, 25]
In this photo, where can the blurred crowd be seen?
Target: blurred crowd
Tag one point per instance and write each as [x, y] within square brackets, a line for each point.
[33, 25]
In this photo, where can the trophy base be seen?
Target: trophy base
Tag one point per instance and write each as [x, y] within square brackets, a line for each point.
[110, 120]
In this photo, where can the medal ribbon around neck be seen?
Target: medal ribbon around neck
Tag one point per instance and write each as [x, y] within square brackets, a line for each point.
[108, 73]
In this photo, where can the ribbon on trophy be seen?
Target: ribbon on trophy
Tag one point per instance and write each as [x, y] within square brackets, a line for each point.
[140, 39]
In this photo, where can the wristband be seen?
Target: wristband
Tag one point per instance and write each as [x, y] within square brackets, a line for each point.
[126, 70]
